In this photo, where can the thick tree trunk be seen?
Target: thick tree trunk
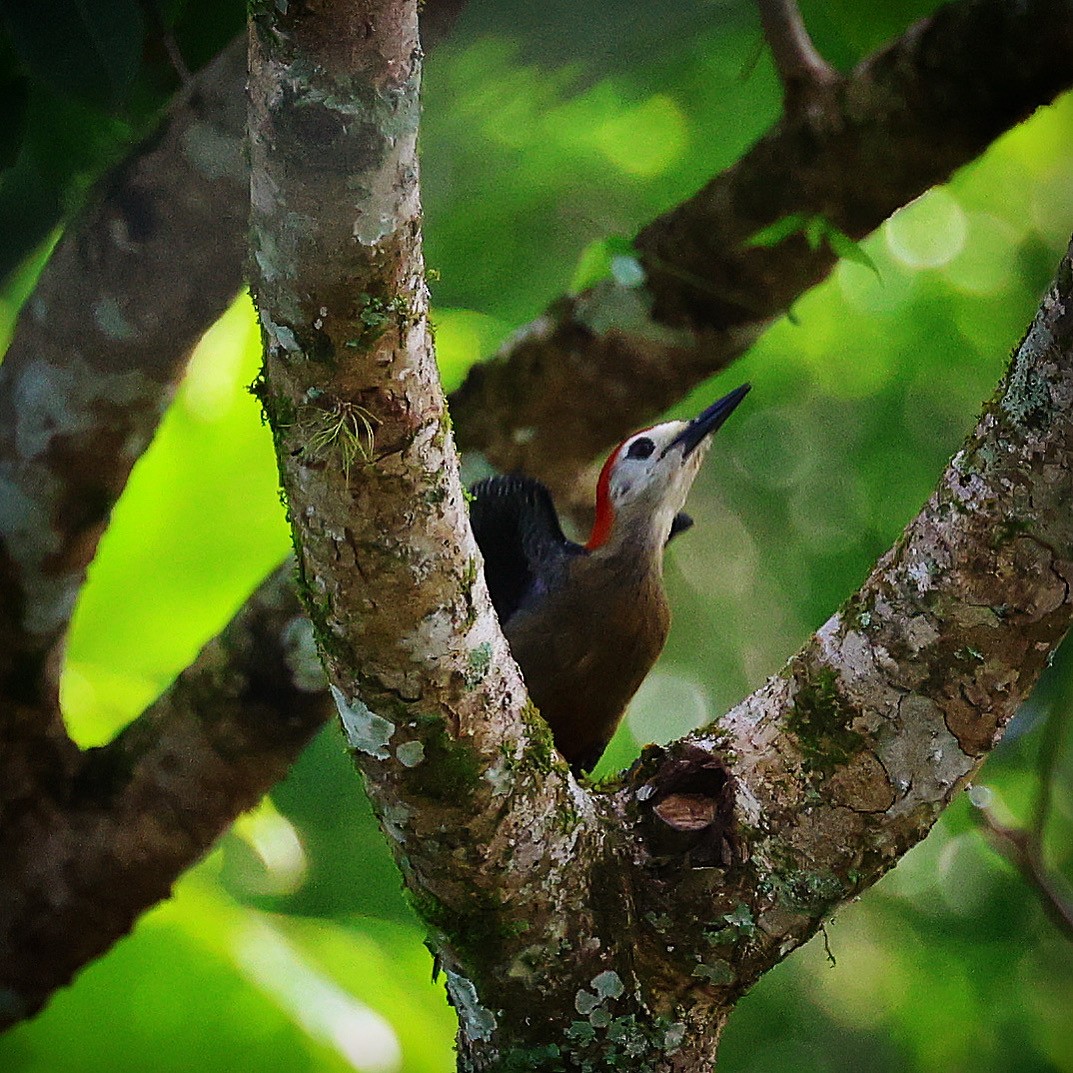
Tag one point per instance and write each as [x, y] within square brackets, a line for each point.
[581, 929]
[575, 927]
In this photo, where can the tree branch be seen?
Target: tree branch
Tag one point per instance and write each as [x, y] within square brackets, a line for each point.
[806, 76]
[1019, 846]
[128, 291]
[461, 773]
[907, 118]
[83, 861]
[92, 365]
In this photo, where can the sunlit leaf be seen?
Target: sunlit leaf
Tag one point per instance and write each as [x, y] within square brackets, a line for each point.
[779, 231]
[849, 250]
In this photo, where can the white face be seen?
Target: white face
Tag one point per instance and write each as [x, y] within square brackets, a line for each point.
[651, 479]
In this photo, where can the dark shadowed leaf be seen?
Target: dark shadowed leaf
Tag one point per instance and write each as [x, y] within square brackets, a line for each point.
[85, 48]
[14, 93]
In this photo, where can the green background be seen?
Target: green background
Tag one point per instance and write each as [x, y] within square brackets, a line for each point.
[549, 129]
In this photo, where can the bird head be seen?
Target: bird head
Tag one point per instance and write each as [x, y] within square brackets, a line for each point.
[646, 478]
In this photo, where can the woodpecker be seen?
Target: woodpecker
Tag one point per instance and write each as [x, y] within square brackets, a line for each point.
[586, 622]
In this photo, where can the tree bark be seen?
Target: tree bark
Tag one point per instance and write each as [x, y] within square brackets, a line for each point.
[83, 858]
[386, 554]
[638, 915]
[902, 122]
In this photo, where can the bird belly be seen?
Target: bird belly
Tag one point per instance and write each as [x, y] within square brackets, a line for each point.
[581, 677]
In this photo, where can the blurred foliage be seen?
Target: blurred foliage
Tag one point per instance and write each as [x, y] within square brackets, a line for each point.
[80, 82]
[551, 133]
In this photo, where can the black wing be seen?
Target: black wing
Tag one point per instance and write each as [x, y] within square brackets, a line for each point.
[681, 523]
[519, 535]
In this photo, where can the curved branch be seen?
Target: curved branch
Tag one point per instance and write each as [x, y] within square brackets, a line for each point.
[127, 293]
[845, 760]
[904, 120]
[95, 855]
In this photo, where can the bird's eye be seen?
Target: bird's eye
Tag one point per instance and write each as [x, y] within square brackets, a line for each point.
[642, 447]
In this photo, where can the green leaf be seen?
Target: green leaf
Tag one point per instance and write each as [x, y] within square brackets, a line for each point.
[848, 250]
[779, 231]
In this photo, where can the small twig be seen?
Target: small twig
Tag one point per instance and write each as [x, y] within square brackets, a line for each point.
[1023, 847]
[805, 75]
[166, 36]
[175, 56]
[1050, 749]
[827, 946]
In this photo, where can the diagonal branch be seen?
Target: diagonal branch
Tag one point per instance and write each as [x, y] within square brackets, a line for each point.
[128, 291]
[907, 117]
[845, 760]
[1000, 99]
[94, 856]
[96, 354]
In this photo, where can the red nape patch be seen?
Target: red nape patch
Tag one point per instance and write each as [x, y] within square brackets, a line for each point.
[605, 512]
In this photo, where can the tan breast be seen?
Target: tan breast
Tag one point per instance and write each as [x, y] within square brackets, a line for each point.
[585, 651]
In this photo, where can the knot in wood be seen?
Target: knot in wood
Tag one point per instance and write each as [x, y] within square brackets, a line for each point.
[691, 798]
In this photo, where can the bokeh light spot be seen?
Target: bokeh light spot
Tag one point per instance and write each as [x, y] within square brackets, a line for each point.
[988, 260]
[667, 706]
[929, 232]
[277, 864]
[646, 140]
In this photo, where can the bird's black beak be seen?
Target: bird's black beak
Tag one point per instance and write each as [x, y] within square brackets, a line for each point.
[706, 422]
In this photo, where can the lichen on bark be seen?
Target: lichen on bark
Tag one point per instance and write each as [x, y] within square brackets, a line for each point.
[888, 709]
